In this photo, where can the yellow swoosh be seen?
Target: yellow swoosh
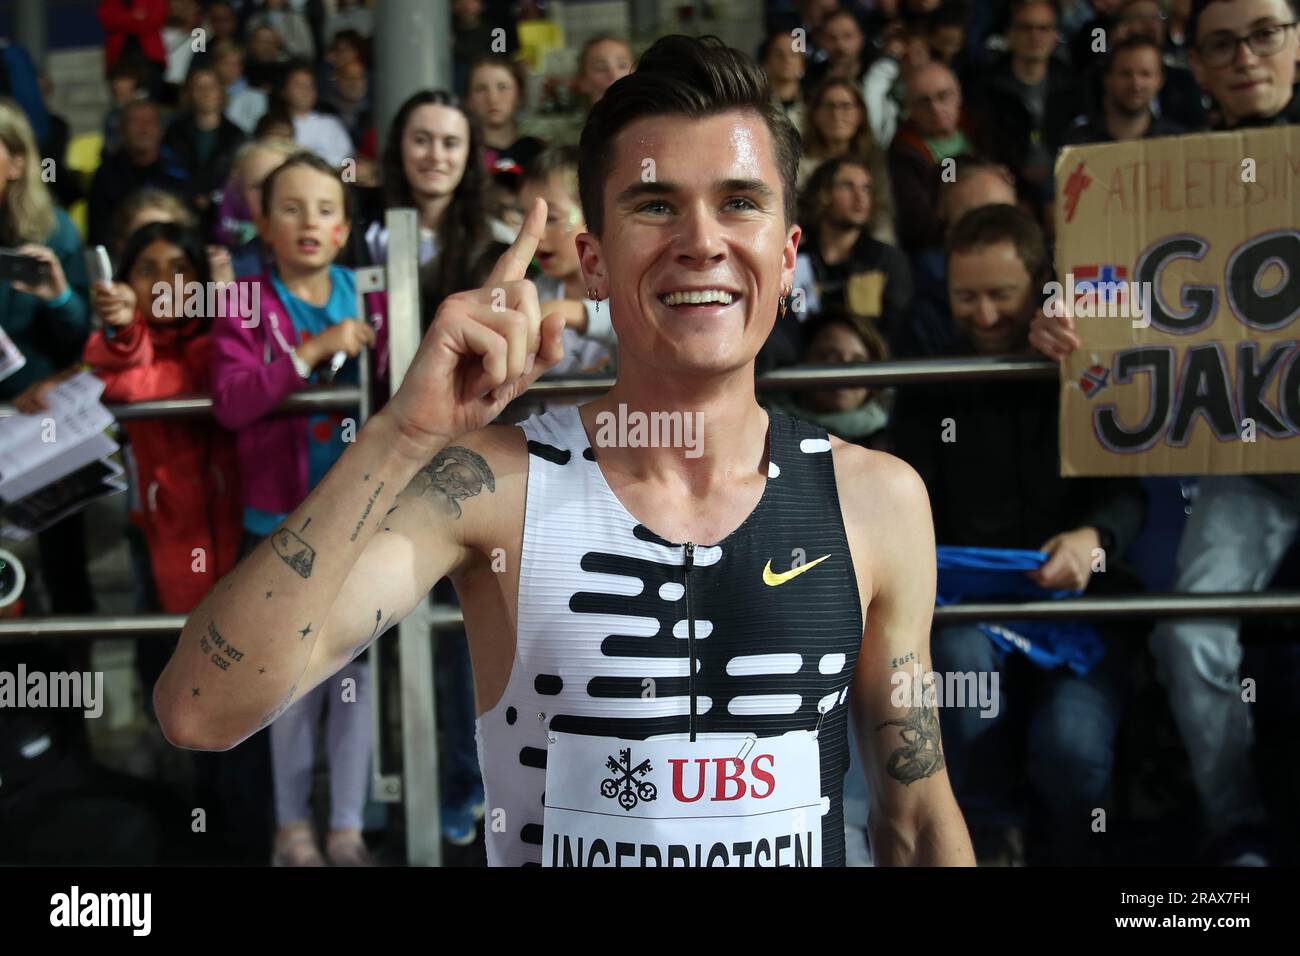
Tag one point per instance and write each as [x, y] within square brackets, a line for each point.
[772, 579]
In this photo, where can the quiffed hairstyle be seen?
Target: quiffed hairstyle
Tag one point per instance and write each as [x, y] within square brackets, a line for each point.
[1198, 7]
[687, 76]
[987, 226]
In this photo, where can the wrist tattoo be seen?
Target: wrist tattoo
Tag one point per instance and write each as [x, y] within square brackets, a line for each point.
[366, 514]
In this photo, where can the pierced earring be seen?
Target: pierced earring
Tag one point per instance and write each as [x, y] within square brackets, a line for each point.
[785, 292]
[591, 294]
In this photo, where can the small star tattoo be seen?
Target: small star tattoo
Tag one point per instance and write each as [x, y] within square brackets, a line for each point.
[268, 593]
[366, 476]
[305, 631]
[194, 692]
[261, 670]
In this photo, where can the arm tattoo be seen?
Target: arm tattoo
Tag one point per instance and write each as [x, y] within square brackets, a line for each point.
[455, 474]
[920, 756]
[220, 651]
[280, 708]
[366, 514]
[294, 551]
[375, 632]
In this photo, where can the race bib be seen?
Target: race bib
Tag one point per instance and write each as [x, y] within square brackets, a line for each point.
[729, 800]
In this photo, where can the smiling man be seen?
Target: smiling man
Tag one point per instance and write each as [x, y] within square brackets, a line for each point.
[666, 648]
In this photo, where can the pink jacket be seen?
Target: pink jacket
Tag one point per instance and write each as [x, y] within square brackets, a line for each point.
[252, 374]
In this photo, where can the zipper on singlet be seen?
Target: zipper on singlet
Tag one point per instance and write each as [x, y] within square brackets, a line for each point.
[690, 632]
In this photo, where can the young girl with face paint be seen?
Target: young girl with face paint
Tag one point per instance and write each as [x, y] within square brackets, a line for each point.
[305, 319]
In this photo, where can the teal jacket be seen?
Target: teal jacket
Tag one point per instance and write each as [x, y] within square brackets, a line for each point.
[52, 339]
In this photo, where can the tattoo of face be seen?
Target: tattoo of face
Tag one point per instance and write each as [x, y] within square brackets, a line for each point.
[455, 474]
[920, 756]
[294, 551]
[220, 651]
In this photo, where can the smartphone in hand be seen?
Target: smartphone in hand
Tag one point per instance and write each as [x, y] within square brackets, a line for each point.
[15, 267]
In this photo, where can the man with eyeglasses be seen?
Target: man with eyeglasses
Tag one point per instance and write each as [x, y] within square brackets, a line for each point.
[1245, 54]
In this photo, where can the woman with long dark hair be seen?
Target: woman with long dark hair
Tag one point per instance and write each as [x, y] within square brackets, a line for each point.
[432, 161]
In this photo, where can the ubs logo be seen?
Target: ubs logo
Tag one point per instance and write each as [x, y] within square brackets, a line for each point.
[628, 785]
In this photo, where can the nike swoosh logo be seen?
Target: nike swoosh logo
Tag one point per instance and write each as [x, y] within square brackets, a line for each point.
[773, 579]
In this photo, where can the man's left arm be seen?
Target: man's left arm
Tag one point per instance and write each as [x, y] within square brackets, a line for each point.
[914, 816]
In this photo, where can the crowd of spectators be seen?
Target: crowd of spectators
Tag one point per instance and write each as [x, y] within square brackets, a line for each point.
[929, 131]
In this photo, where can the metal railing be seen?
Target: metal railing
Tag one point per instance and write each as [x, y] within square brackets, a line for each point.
[440, 617]
[417, 782]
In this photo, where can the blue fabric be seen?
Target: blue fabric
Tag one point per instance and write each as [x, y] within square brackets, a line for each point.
[325, 444]
[967, 574]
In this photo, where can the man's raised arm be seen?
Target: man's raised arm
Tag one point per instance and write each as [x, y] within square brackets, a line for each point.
[291, 613]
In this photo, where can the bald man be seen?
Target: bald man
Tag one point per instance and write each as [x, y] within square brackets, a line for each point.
[933, 131]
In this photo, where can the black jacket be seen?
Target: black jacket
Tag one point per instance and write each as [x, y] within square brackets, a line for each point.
[867, 256]
[117, 178]
[996, 482]
[1008, 125]
[1092, 129]
[207, 177]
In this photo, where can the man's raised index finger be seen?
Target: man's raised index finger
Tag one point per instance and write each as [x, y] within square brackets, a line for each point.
[514, 261]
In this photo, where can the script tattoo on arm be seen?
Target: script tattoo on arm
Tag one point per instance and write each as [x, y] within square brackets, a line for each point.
[366, 514]
[220, 651]
[456, 473]
[920, 756]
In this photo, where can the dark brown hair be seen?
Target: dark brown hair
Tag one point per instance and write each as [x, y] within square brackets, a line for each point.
[1198, 7]
[687, 76]
[1136, 41]
[989, 225]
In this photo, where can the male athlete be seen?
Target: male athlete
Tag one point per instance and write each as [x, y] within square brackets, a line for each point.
[666, 644]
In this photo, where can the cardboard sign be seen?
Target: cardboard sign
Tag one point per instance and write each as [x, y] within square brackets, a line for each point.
[1180, 257]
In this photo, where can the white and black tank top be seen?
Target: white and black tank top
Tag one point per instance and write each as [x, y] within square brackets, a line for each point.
[606, 605]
